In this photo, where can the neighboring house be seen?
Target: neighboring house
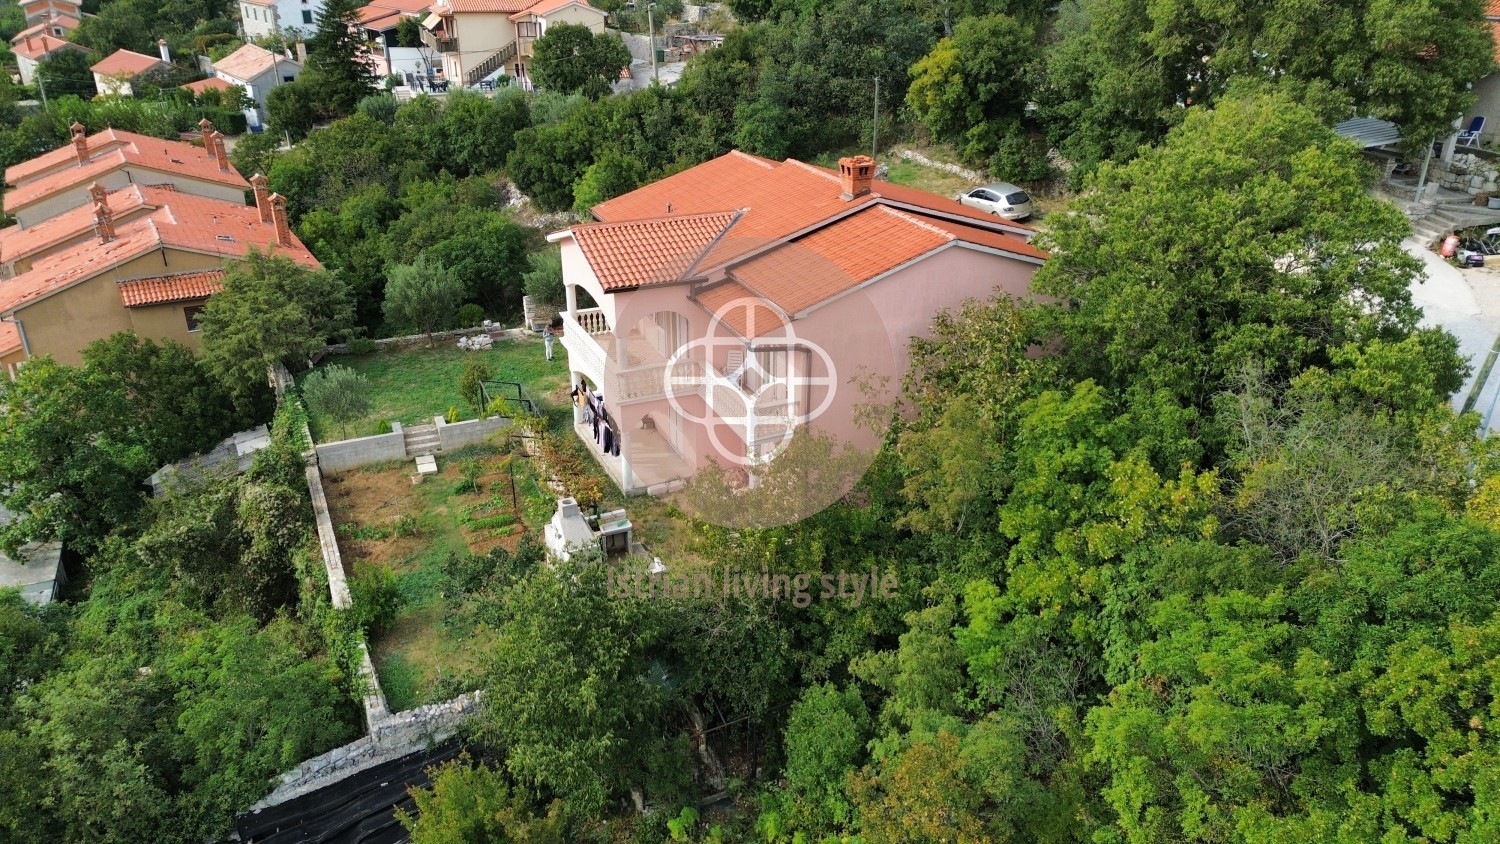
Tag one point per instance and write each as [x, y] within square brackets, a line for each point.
[40, 10]
[478, 39]
[1487, 89]
[378, 22]
[38, 574]
[272, 17]
[257, 70]
[59, 181]
[150, 274]
[32, 48]
[735, 301]
[115, 73]
[213, 83]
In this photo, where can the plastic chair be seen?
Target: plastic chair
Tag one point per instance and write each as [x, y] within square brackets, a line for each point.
[1470, 136]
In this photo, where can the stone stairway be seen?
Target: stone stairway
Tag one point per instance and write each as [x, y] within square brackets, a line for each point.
[1449, 218]
[421, 439]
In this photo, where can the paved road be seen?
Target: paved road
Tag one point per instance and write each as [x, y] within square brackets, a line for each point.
[1467, 304]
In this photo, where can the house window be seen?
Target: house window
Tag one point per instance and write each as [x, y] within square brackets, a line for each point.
[288, 79]
[307, 16]
[192, 313]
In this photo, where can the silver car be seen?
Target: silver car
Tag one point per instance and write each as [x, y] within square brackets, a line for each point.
[1002, 199]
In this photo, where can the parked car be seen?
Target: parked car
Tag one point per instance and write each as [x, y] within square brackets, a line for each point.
[1002, 199]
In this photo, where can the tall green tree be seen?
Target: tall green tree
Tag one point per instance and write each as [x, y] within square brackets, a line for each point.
[337, 59]
[271, 310]
[339, 393]
[973, 87]
[423, 295]
[573, 59]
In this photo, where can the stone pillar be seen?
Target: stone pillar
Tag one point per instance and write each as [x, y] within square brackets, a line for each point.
[571, 292]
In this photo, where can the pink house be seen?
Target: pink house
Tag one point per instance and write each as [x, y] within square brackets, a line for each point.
[733, 304]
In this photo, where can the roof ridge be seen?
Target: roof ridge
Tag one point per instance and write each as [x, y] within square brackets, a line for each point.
[814, 169]
[668, 218]
[914, 221]
[754, 159]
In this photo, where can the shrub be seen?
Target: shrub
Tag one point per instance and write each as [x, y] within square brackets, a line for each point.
[469, 316]
[361, 346]
[470, 470]
[408, 525]
[376, 599]
[468, 385]
[451, 416]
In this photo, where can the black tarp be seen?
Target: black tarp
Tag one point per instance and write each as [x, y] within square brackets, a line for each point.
[359, 809]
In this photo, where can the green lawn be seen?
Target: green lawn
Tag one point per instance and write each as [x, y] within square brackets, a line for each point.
[413, 385]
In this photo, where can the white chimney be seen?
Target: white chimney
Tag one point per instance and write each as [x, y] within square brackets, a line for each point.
[166, 55]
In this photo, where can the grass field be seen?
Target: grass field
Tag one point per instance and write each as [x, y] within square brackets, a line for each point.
[412, 385]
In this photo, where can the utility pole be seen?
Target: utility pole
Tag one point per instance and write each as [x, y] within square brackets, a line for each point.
[875, 127]
[651, 33]
[41, 84]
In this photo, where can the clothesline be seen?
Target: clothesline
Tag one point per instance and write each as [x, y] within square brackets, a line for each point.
[606, 431]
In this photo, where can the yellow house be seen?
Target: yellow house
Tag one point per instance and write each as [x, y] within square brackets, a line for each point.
[151, 274]
[59, 181]
[478, 39]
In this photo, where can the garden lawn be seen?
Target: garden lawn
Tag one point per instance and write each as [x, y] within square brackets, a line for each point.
[414, 384]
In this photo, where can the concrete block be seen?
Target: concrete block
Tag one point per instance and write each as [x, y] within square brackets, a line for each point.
[427, 465]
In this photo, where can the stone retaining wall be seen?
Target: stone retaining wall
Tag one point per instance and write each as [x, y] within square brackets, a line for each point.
[918, 158]
[437, 337]
[362, 451]
[1467, 172]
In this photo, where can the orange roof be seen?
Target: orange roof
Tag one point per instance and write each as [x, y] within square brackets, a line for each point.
[178, 287]
[10, 338]
[1492, 9]
[501, 7]
[171, 158]
[745, 313]
[17, 243]
[797, 241]
[126, 63]
[64, 155]
[41, 46]
[628, 255]
[186, 222]
[839, 257]
[249, 62]
[547, 7]
[66, 22]
[213, 83]
[378, 11]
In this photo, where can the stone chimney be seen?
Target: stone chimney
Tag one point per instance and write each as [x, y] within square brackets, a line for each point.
[856, 174]
[28, 42]
[216, 141]
[161, 46]
[278, 218]
[104, 224]
[80, 144]
[97, 194]
[301, 52]
[262, 197]
[206, 128]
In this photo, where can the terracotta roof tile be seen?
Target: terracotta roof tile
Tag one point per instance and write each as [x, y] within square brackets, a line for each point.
[64, 22]
[171, 158]
[17, 243]
[640, 253]
[10, 338]
[186, 222]
[684, 193]
[494, 7]
[547, 7]
[178, 287]
[249, 62]
[1492, 8]
[213, 83]
[838, 257]
[126, 63]
[39, 47]
[62, 156]
[745, 313]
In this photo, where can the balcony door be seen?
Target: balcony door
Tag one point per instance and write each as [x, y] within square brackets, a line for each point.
[671, 333]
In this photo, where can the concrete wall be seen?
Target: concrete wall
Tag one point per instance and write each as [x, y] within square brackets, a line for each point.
[459, 434]
[1486, 103]
[362, 451]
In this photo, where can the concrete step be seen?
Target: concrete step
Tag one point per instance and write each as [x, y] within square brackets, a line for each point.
[420, 440]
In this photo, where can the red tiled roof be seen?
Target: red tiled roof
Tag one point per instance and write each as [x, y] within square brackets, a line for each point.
[66, 22]
[378, 11]
[797, 242]
[838, 257]
[10, 338]
[249, 62]
[1495, 36]
[178, 287]
[63, 156]
[1492, 9]
[497, 7]
[125, 63]
[172, 158]
[213, 83]
[41, 46]
[186, 222]
[635, 254]
[743, 312]
[17, 243]
[547, 7]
